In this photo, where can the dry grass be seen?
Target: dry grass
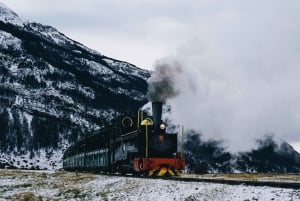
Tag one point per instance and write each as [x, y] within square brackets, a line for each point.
[26, 196]
[64, 183]
[53, 186]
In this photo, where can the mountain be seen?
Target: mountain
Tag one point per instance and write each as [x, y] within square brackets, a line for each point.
[270, 155]
[55, 90]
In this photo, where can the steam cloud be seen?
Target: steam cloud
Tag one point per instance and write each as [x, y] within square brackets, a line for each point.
[239, 78]
[162, 84]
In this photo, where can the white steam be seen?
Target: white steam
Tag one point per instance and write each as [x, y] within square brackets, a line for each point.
[240, 75]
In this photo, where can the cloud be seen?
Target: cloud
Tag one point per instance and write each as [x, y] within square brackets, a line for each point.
[244, 65]
[146, 29]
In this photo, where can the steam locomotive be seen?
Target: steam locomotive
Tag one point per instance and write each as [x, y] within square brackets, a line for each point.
[131, 144]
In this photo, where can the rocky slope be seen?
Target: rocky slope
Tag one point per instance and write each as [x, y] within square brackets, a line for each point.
[54, 90]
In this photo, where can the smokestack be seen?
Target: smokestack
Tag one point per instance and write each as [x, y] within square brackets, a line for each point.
[156, 112]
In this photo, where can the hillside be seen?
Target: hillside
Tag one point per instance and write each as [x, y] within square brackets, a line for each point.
[54, 90]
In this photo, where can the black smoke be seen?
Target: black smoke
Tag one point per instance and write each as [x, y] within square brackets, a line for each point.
[162, 84]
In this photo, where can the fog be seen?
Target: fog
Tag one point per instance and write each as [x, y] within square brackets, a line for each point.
[240, 76]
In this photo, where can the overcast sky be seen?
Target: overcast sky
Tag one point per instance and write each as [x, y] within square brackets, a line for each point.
[241, 58]
[137, 31]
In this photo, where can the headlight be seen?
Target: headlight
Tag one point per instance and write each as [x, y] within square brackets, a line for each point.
[162, 126]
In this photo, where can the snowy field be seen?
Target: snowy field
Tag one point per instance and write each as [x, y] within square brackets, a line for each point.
[43, 185]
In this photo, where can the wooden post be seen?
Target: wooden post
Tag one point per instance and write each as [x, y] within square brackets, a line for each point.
[182, 142]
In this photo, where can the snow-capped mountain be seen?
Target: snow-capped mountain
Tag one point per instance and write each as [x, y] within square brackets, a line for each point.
[54, 90]
[271, 155]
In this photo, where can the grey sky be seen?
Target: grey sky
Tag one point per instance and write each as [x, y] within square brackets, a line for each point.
[241, 58]
[134, 31]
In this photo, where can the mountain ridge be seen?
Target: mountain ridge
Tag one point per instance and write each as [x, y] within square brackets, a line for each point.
[55, 90]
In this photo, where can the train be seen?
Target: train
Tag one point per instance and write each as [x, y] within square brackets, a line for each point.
[132, 144]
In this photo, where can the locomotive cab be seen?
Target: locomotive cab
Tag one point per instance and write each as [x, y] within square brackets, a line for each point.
[162, 144]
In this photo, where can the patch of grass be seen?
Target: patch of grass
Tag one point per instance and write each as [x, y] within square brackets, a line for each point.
[103, 195]
[26, 196]
[5, 172]
[25, 185]
[80, 177]
[60, 173]
[72, 193]
[190, 198]
[44, 175]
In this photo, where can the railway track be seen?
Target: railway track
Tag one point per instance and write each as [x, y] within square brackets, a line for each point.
[271, 180]
[276, 183]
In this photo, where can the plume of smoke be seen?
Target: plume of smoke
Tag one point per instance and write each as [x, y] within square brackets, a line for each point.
[239, 77]
[162, 83]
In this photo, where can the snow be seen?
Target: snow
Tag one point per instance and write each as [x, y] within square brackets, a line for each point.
[13, 68]
[10, 114]
[9, 41]
[50, 33]
[61, 185]
[126, 68]
[92, 51]
[108, 61]
[8, 16]
[96, 68]
[77, 51]
[136, 95]
[41, 159]
[29, 120]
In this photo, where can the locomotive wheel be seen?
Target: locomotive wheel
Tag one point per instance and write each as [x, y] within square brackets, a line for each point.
[151, 173]
[177, 172]
[163, 171]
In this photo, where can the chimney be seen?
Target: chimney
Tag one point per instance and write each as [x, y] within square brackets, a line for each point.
[156, 112]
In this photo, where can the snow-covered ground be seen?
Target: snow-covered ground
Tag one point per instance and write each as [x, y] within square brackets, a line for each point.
[45, 185]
